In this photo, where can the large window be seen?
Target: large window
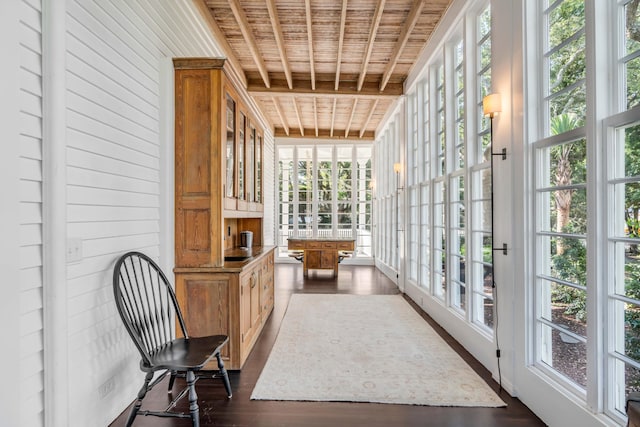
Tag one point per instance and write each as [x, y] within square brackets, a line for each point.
[386, 202]
[413, 163]
[560, 163]
[623, 222]
[363, 199]
[325, 191]
[439, 288]
[285, 193]
[564, 61]
[479, 153]
[448, 249]
[457, 176]
[561, 250]
[624, 275]
[585, 160]
[304, 201]
[425, 157]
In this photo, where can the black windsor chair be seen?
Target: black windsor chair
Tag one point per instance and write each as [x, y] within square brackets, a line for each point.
[149, 310]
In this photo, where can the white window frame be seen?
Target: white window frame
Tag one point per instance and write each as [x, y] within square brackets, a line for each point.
[479, 173]
[357, 189]
[541, 329]
[455, 71]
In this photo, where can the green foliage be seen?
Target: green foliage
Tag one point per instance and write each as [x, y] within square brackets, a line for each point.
[633, 226]
[632, 168]
[567, 63]
[632, 312]
[571, 266]
[632, 150]
[570, 263]
[633, 45]
[566, 110]
[564, 123]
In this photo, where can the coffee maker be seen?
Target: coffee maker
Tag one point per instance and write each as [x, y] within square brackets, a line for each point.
[246, 239]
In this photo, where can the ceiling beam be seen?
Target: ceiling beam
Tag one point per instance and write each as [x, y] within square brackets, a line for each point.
[366, 122]
[307, 4]
[377, 16]
[409, 23]
[279, 112]
[298, 116]
[322, 133]
[325, 88]
[343, 22]
[245, 28]
[353, 112]
[277, 32]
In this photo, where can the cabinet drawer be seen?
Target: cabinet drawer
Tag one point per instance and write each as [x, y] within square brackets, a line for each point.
[296, 244]
[314, 245]
[345, 245]
[328, 245]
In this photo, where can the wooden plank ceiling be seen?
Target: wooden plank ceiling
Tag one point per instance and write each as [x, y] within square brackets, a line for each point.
[324, 68]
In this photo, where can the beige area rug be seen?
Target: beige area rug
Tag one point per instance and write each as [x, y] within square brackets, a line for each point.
[372, 348]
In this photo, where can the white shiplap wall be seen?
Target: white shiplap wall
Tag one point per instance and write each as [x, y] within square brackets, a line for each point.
[31, 279]
[115, 192]
[114, 148]
[115, 141]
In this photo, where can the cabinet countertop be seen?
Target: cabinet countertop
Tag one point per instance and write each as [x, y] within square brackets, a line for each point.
[323, 239]
[234, 266]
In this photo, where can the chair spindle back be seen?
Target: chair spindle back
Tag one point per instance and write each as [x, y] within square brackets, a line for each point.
[146, 302]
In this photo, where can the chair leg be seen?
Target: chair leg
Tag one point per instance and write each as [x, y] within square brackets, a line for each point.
[141, 394]
[172, 380]
[193, 399]
[224, 374]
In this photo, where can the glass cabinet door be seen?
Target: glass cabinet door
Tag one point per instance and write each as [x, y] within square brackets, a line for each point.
[241, 159]
[258, 169]
[230, 146]
[250, 163]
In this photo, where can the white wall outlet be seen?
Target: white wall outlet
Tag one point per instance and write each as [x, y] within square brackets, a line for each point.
[74, 250]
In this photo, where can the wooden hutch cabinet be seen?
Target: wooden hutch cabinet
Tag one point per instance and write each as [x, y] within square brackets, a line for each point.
[222, 289]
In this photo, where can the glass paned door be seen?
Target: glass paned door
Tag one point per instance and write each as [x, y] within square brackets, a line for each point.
[285, 197]
[230, 147]
[241, 156]
[305, 193]
[624, 271]
[325, 190]
[561, 280]
[258, 197]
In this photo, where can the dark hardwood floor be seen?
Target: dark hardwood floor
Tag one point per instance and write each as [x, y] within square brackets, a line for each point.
[217, 410]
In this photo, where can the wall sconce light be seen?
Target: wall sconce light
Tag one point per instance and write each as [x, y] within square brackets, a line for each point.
[492, 105]
[397, 168]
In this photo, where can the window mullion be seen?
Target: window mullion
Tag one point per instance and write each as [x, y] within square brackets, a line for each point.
[315, 191]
